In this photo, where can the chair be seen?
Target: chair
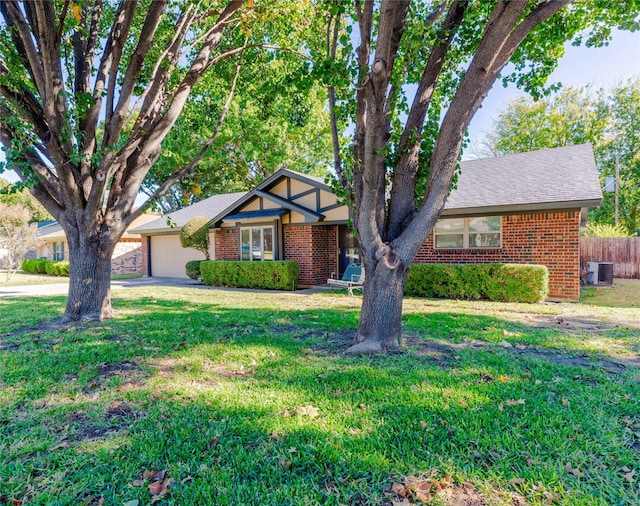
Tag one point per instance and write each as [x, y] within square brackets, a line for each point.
[352, 279]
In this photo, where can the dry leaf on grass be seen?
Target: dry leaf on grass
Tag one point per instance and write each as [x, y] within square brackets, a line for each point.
[573, 470]
[516, 481]
[505, 344]
[308, 410]
[513, 402]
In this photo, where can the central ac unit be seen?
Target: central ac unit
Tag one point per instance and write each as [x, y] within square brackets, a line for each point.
[599, 273]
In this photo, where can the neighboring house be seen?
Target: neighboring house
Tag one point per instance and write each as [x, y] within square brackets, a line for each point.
[523, 208]
[127, 255]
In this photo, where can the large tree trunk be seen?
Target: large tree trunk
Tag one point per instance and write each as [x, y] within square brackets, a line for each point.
[89, 278]
[380, 325]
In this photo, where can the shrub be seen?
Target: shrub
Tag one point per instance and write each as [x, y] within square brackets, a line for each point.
[496, 282]
[195, 234]
[57, 268]
[193, 269]
[35, 266]
[277, 275]
[604, 230]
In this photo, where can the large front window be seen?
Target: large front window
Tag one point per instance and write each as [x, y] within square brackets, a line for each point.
[58, 250]
[464, 233]
[256, 243]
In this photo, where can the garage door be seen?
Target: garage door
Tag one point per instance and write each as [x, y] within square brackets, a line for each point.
[168, 257]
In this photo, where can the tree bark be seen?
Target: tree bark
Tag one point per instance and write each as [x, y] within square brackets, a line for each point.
[89, 277]
[380, 325]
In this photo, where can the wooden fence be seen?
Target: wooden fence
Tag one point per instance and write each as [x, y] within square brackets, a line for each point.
[624, 252]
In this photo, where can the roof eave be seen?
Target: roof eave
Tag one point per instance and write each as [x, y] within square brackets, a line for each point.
[520, 208]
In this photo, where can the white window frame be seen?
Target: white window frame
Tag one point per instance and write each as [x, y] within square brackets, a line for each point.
[57, 251]
[465, 235]
[262, 229]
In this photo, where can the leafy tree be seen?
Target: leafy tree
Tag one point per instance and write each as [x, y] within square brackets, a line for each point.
[88, 92]
[195, 234]
[400, 166]
[11, 195]
[17, 236]
[609, 120]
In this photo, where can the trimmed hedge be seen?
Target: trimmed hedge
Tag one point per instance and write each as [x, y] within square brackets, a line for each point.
[276, 275]
[44, 266]
[35, 266]
[495, 282]
[193, 269]
[57, 268]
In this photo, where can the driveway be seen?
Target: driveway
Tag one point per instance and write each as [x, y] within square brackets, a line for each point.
[63, 288]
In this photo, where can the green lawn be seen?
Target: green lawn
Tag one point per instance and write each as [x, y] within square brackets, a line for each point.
[21, 278]
[197, 396]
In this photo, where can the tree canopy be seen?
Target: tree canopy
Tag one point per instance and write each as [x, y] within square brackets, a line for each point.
[11, 195]
[609, 119]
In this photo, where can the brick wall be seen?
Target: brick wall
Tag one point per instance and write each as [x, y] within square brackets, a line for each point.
[547, 238]
[227, 246]
[314, 248]
[127, 258]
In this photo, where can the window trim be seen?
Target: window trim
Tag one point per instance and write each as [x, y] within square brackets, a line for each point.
[57, 253]
[465, 234]
[262, 227]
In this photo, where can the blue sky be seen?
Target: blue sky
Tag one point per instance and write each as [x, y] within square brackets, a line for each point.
[600, 67]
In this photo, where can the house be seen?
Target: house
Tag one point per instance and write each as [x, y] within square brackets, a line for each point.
[127, 255]
[522, 208]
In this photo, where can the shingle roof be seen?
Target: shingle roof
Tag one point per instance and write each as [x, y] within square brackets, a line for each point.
[207, 208]
[566, 176]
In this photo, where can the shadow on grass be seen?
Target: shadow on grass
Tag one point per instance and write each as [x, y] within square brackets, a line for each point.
[217, 396]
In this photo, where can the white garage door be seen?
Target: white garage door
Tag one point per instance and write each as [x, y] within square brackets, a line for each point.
[168, 257]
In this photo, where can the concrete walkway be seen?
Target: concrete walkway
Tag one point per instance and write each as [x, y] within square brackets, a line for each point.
[63, 288]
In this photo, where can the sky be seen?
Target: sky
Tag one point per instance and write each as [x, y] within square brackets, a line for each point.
[600, 67]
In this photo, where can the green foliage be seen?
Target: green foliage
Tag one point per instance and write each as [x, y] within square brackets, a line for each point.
[57, 267]
[35, 266]
[496, 282]
[19, 195]
[604, 230]
[277, 275]
[193, 269]
[607, 119]
[195, 234]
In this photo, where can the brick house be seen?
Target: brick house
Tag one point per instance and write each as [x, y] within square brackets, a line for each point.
[126, 258]
[522, 208]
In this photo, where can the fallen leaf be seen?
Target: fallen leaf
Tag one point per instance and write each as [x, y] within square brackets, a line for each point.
[629, 476]
[415, 388]
[512, 402]
[286, 413]
[286, 464]
[355, 431]
[502, 378]
[159, 488]
[447, 392]
[520, 347]
[423, 424]
[508, 333]
[636, 378]
[516, 481]
[293, 449]
[154, 475]
[213, 442]
[501, 407]
[573, 470]
[276, 435]
[565, 401]
[56, 346]
[495, 455]
[505, 344]
[362, 407]
[308, 410]
[399, 489]
[322, 376]
[463, 403]
[338, 393]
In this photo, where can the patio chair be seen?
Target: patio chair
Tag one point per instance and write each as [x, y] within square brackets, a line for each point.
[352, 279]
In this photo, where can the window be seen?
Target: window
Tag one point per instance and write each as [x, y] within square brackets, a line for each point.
[464, 233]
[256, 243]
[58, 250]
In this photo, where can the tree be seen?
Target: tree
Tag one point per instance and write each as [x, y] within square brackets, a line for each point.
[88, 92]
[17, 236]
[195, 234]
[12, 195]
[401, 164]
[608, 119]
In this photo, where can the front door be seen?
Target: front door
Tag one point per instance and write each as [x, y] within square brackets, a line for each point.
[349, 248]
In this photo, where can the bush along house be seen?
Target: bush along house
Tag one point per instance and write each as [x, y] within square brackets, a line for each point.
[524, 208]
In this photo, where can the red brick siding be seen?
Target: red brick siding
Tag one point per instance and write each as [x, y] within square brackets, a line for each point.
[314, 248]
[144, 259]
[547, 238]
[227, 247]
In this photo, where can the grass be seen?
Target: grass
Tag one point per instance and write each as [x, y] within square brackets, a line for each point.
[21, 278]
[247, 398]
[623, 293]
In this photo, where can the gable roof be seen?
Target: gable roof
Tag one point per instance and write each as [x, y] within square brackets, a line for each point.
[207, 208]
[262, 190]
[558, 178]
[52, 230]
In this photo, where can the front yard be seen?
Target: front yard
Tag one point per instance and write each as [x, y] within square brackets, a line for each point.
[199, 396]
